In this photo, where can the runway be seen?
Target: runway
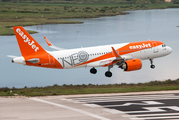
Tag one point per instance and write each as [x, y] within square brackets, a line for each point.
[162, 105]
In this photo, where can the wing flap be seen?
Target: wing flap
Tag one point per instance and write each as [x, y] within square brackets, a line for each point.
[114, 61]
[110, 63]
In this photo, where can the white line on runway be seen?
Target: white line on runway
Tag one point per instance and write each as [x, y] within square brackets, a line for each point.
[113, 111]
[126, 104]
[154, 109]
[129, 99]
[70, 108]
[123, 97]
[170, 117]
[147, 115]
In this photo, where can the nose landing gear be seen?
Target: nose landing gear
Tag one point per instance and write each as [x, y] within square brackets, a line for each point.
[152, 65]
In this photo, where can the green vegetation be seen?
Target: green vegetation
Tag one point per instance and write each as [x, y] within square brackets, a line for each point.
[89, 1]
[91, 89]
[26, 13]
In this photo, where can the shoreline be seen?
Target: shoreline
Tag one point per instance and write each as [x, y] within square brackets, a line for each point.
[29, 14]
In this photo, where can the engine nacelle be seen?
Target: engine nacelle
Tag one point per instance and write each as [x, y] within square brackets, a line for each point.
[131, 65]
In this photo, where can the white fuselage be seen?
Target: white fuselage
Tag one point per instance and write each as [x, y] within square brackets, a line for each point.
[71, 58]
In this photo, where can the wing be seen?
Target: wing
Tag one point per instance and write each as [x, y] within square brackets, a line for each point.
[50, 45]
[118, 60]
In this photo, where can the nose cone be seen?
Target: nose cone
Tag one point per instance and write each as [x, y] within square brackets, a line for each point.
[169, 49]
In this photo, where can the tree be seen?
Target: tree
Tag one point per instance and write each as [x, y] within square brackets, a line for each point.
[176, 1]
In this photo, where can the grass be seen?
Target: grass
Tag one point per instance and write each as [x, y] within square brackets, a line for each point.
[26, 14]
[91, 89]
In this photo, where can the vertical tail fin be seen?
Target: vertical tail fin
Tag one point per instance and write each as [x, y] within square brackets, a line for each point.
[27, 44]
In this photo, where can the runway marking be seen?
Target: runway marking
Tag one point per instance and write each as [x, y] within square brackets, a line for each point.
[126, 104]
[154, 109]
[161, 107]
[70, 108]
[176, 108]
[113, 111]
[123, 98]
[149, 115]
[113, 100]
[146, 118]
[92, 105]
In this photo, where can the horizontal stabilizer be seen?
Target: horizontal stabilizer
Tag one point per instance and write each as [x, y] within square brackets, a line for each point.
[12, 56]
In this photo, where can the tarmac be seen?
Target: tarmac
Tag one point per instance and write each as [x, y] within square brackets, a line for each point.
[123, 106]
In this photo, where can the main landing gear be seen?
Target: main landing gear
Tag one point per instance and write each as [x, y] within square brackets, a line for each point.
[107, 73]
[152, 65]
[93, 71]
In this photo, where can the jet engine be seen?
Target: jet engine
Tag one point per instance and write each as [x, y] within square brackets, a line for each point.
[131, 65]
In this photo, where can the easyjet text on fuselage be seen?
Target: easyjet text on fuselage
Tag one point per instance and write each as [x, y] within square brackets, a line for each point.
[140, 46]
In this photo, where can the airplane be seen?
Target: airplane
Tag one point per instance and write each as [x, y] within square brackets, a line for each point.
[126, 56]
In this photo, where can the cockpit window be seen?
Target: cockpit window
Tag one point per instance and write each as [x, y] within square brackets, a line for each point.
[163, 45]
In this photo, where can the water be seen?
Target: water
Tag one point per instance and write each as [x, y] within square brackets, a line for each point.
[137, 26]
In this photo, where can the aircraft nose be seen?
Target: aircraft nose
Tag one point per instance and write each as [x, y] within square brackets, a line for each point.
[169, 49]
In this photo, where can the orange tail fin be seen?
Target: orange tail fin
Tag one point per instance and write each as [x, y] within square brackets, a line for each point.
[27, 44]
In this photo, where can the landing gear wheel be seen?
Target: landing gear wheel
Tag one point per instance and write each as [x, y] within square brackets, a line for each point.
[152, 66]
[108, 74]
[93, 71]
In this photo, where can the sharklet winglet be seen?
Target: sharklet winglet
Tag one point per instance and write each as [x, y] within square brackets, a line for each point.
[116, 54]
[51, 45]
